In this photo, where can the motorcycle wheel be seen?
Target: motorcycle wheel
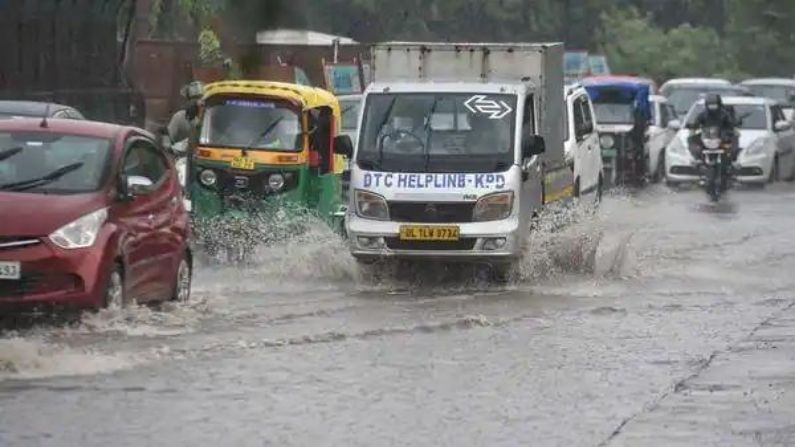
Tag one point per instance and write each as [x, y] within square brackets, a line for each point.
[713, 183]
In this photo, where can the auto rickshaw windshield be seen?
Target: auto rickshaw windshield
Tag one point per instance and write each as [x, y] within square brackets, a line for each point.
[256, 124]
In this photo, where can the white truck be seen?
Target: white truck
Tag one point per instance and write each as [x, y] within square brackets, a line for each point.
[459, 146]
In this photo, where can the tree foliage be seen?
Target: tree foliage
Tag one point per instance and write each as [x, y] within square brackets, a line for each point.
[658, 38]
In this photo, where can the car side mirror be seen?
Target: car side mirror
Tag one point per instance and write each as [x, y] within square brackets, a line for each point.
[532, 146]
[674, 124]
[134, 185]
[343, 146]
[782, 126]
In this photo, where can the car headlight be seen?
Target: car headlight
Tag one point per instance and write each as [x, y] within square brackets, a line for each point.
[497, 206]
[276, 182]
[607, 141]
[755, 148]
[677, 147]
[371, 206]
[208, 178]
[82, 232]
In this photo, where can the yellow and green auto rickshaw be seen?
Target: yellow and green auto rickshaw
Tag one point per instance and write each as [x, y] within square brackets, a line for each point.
[265, 149]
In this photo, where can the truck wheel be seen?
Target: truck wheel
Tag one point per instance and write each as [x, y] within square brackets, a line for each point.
[599, 186]
[503, 273]
[774, 171]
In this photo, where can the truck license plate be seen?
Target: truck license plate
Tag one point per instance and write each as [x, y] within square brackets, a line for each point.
[10, 270]
[243, 163]
[429, 233]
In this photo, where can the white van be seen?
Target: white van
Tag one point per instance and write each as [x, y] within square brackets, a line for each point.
[581, 142]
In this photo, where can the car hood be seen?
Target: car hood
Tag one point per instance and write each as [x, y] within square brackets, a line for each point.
[41, 214]
[746, 136]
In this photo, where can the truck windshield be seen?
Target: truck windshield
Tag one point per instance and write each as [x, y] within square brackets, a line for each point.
[251, 124]
[52, 163]
[438, 132]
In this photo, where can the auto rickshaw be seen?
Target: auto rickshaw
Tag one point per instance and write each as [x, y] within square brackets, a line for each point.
[265, 149]
[623, 113]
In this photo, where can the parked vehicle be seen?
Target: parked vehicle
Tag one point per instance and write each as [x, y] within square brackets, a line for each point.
[660, 134]
[779, 89]
[623, 113]
[576, 65]
[32, 109]
[93, 216]
[682, 93]
[766, 144]
[598, 66]
[265, 147]
[581, 142]
[454, 159]
[351, 106]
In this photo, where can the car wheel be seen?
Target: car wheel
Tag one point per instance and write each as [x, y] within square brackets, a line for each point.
[183, 280]
[659, 173]
[115, 293]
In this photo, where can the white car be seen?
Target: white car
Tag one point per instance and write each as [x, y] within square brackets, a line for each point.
[659, 135]
[682, 93]
[767, 143]
[581, 142]
[779, 89]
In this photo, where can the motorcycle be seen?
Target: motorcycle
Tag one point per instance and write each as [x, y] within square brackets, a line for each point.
[712, 149]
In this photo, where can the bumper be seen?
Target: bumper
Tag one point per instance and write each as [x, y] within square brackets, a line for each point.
[479, 242]
[53, 276]
[754, 169]
[680, 168]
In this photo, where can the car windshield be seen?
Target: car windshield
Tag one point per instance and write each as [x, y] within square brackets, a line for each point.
[438, 132]
[749, 116]
[350, 113]
[682, 98]
[26, 157]
[782, 93]
[252, 124]
[609, 113]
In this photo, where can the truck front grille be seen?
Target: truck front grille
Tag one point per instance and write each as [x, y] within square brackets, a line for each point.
[431, 212]
[394, 243]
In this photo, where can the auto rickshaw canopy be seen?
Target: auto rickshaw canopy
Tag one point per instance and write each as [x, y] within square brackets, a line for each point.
[626, 90]
[306, 97]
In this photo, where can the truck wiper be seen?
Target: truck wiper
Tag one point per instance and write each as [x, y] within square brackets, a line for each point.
[8, 153]
[380, 141]
[261, 135]
[429, 132]
[41, 181]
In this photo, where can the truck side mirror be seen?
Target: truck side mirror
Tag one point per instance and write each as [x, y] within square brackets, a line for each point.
[533, 145]
[782, 126]
[343, 146]
[674, 124]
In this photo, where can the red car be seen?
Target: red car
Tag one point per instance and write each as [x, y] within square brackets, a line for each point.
[91, 215]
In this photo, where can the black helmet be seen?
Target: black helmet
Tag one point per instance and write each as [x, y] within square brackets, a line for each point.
[713, 102]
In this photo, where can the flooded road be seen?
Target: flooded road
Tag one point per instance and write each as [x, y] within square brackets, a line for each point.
[661, 320]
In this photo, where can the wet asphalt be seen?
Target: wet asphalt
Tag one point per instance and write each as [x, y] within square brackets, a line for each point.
[659, 320]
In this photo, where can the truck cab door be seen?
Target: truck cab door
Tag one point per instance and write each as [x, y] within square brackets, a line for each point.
[532, 167]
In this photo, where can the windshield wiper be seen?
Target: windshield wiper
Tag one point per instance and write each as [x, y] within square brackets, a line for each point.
[380, 141]
[262, 135]
[41, 181]
[429, 132]
[8, 153]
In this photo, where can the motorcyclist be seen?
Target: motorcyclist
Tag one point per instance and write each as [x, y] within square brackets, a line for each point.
[715, 114]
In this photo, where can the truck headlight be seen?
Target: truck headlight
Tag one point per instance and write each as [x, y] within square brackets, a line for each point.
[607, 141]
[80, 233]
[497, 206]
[371, 206]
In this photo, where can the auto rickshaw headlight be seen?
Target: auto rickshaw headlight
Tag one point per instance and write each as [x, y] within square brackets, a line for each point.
[208, 178]
[607, 141]
[276, 182]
